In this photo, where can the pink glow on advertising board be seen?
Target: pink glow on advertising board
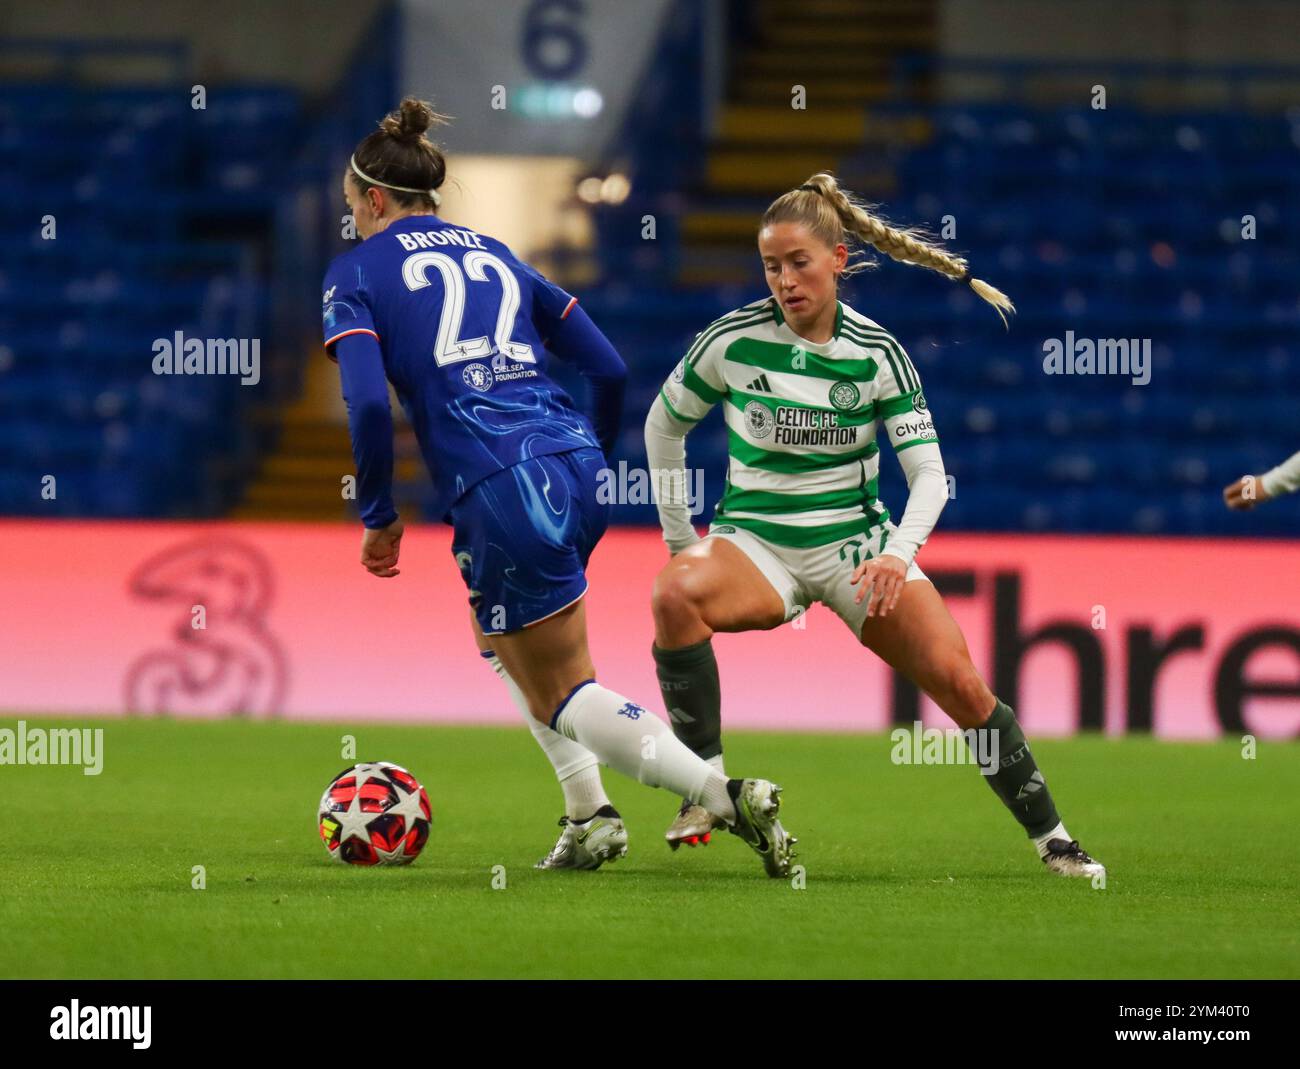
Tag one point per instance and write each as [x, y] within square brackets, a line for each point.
[1117, 634]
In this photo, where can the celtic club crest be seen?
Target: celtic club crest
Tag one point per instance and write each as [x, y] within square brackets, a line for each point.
[758, 419]
[845, 395]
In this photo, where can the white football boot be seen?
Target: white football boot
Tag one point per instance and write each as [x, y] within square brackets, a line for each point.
[601, 837]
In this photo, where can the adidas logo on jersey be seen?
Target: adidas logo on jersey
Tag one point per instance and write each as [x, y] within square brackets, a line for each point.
[759, 385]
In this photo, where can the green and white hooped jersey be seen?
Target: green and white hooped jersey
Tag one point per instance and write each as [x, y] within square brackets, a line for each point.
[801, 419]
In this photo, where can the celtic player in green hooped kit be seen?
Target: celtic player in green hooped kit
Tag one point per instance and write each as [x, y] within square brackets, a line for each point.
[804, 380]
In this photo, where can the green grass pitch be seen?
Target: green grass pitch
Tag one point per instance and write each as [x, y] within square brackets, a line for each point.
[911, 871]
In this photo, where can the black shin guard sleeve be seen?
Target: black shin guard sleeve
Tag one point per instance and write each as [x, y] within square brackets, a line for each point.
[688, 679]
[1017, 781]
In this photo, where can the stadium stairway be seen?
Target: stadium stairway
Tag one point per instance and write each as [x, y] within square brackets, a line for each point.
[841, 52]
[302, 477]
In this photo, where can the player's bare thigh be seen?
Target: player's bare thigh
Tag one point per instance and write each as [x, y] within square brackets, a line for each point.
[480, 640]
[712, 586]
[546, 659]
[922, 641]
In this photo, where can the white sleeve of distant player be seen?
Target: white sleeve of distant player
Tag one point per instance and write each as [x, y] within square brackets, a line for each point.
[665, 446]
[927, 493]
[1284, 479]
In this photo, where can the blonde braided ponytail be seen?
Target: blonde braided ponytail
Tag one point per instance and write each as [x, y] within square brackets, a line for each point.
[836, 216]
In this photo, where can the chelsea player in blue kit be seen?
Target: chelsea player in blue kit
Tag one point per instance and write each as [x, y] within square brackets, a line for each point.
[459, 327]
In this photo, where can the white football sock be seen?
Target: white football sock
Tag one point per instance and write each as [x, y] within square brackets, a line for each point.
[631, 739]
[716, 798]
[575, 766]
[584, 794]
[1041, 841]
[715, 762]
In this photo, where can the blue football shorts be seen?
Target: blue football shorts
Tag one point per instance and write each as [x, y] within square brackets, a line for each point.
[522, 537]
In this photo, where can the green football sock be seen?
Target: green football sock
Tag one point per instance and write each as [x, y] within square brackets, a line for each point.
[1018, 782]
[688, 678]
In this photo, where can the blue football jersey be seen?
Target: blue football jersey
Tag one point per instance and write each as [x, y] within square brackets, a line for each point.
[461, 324]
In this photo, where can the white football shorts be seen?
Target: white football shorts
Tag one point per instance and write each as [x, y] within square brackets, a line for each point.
[818, 573]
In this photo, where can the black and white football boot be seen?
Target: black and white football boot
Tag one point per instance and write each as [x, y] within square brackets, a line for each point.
[1066, 858]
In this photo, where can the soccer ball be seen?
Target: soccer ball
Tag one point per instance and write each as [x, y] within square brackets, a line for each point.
[374, 814]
